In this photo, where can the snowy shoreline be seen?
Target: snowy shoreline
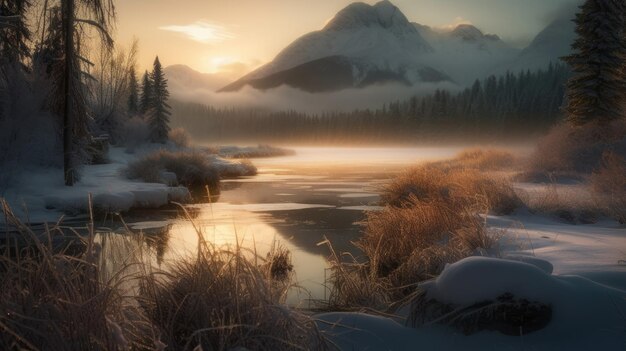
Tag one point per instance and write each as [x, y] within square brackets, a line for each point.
[41, 196]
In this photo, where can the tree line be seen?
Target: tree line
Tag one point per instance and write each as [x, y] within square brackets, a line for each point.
[522, 103]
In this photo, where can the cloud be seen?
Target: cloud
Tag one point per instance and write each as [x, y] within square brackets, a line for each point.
[202, 31]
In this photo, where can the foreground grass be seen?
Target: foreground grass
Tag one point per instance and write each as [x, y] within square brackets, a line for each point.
[221, 299]
[432, 218]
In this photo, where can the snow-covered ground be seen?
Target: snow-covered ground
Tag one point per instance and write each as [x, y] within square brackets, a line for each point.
[575, 269]
[41, 196]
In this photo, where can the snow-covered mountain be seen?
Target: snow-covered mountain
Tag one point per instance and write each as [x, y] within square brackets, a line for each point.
[371, 44]
[465, 52]
[549, 45]
[184, 77]
[362, 45]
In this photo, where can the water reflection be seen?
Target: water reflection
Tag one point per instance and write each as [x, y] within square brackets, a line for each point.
[297, 200]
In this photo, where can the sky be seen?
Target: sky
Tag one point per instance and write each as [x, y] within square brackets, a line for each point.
[232, 37]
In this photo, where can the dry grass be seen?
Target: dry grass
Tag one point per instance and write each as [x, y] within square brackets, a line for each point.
[222, 299]
[432, 219]
[574, 152]
[486, 160]
[277, 265]
[191, 168]
[179, 137]
[573, 205]
[53, 300]
[456, 187]
[609, 185]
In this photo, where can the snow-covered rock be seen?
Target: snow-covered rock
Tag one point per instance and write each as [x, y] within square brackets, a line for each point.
[477, 279]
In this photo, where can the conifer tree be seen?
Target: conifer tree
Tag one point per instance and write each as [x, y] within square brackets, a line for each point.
[595, 90]
[146, 94]
[133, 93]
[14, 47]
[14, 31]
[159, 114]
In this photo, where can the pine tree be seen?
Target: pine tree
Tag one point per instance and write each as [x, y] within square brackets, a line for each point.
[159, 113]
[14, 47]
[595, 90]
[14, 31]
[146, 94]
[133, 93]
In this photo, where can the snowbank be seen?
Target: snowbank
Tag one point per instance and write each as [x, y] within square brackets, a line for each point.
[42, 196]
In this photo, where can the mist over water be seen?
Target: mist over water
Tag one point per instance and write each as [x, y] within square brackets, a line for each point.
[286, 98]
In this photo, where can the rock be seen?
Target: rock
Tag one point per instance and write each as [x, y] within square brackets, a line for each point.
[507, 314]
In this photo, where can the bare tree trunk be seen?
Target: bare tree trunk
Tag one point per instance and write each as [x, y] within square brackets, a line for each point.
[68, 106]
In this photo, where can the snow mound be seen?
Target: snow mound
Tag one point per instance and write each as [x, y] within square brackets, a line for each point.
[477, 279]
[544, 265]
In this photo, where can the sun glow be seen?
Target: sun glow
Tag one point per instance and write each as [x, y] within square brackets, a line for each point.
[202, 31]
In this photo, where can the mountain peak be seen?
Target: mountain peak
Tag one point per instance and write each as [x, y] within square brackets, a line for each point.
[383, 14]
[467, 32]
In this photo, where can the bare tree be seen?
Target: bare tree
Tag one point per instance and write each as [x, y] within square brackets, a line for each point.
[112, 87]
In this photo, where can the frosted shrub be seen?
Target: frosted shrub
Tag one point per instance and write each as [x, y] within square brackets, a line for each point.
[135, 132]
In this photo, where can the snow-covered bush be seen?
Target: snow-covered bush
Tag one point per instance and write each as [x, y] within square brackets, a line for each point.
[191, 168]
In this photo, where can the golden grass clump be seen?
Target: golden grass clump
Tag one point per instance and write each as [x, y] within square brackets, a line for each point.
[51, 299]
[434, 216]
[222, 300]
[456, 187]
